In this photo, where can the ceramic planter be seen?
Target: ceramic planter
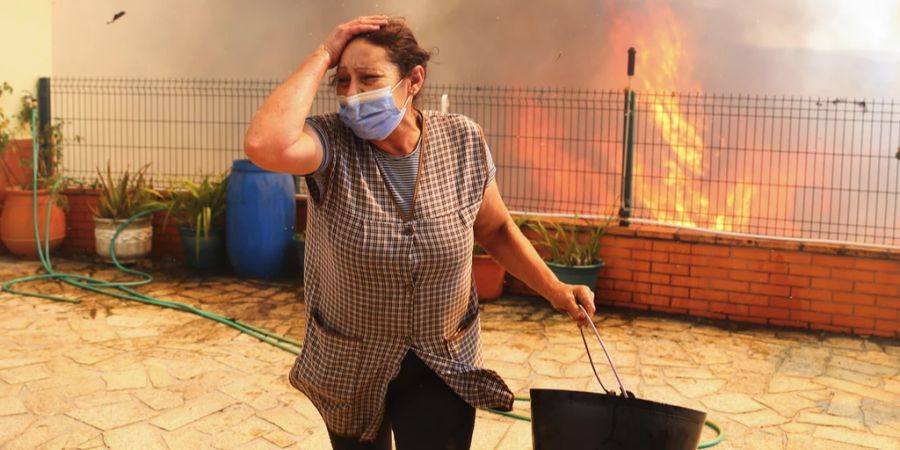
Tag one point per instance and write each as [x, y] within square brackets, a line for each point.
[586, 275]
[211, 254]
[488, 277]
[17, 224]
[133, 243]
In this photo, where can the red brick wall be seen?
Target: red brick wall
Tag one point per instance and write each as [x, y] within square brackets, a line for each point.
[810, 286]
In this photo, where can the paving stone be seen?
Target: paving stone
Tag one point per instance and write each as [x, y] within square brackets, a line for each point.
[139, 436]
[159, 376]
[489, 430]
[188, 439]
[731, 403]
[668, 395]
[512, 370]
[787, 383]
[258, 444]
[787, 404]
[9, 363]
[281, 438]
[126, 379]
[855, 388]
[695, 388]
[192, 410]
[852, 376]
[796, 441]
[697, 373]
[800, 428]
[828, 420]
[846, 405]
[285, 418]
[877, 413]
[857, 438]
[761, 418]
[14, 425]
[805, 361]
[225, 419]
[52, 432]
[10, 406]
[108, 417]
[891, 385]
[46, 403]
[889, 367]
[160, 399]
[242, 433]
[545, 367]
[24, 374]
[127, 320]
[518, 437]
[507, 354]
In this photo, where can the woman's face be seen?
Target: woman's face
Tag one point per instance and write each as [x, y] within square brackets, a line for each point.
[365, 67]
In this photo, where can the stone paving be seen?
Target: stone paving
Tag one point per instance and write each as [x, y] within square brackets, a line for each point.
[108, 373]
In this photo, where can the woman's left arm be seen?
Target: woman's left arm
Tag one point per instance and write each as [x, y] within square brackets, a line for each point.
[499, 235]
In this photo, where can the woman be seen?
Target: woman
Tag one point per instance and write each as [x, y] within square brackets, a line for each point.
[398, 194]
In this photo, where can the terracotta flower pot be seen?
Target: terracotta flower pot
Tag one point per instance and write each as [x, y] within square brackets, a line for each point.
[17, 226]
[12, 173]
[488, 277]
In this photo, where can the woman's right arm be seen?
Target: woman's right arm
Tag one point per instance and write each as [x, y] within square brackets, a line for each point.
[278, 138]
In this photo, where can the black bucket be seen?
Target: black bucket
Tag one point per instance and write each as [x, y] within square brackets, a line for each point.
[574, 420]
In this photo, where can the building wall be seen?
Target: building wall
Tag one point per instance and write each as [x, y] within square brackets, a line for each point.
[26, 36]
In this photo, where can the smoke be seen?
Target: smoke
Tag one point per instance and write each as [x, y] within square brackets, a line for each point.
[805, 47]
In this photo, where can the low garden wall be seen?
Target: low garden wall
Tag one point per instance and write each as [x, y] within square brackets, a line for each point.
[782, 283]
[834, 288]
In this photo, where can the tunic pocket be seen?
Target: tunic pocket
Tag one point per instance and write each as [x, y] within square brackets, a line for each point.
[465, 345]
[328, 365]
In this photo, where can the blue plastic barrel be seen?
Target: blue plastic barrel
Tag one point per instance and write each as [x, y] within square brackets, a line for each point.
[261, 218]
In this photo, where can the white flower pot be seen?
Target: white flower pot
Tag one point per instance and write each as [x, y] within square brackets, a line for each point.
[133, 243]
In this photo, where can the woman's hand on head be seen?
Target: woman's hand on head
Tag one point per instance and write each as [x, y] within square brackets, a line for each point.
[567, 298]
[341, 35]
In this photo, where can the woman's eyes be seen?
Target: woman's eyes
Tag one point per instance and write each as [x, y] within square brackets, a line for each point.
[366, 79]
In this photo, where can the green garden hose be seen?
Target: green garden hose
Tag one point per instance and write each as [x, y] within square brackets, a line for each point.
[123, 289]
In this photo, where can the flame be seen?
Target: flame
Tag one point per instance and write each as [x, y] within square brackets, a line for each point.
[559, 179]
[677, 195]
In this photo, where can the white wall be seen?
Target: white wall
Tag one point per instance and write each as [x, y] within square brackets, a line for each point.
[25, 40]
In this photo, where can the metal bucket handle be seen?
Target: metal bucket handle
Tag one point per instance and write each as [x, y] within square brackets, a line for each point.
[624, 392]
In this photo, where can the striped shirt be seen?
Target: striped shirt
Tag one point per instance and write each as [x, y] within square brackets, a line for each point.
[399, 172]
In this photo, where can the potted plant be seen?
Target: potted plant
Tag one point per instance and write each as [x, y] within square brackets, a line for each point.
[120, 199]
[572, 250]
[20, 186]
[199, 208]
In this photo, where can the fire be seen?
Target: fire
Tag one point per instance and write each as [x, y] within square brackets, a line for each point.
[669, 184]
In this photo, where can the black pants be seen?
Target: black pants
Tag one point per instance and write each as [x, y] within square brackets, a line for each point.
[423, 412]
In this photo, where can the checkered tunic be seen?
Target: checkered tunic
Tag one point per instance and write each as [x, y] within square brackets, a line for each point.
[379, 283]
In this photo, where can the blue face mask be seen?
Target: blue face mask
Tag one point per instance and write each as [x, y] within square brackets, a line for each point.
[372, 115]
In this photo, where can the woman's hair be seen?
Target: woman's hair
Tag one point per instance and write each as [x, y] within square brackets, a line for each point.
[402, 48]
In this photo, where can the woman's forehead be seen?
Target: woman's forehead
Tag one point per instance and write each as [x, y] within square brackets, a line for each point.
[361, 55]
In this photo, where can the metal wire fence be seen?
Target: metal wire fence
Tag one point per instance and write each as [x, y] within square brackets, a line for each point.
[810, 168]
[804, 168]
